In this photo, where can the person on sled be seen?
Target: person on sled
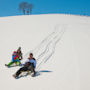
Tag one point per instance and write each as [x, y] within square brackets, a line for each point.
[16, 57]
[19, 53]
[29, 65]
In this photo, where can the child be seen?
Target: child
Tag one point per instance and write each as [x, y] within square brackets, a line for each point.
[19, 52]
[15, 59]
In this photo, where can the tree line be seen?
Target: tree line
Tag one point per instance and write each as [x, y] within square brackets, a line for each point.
[26, 8]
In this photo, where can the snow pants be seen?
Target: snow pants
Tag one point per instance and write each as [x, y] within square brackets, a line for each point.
[12, 62]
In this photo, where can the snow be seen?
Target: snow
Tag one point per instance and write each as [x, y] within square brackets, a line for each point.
[68, 68]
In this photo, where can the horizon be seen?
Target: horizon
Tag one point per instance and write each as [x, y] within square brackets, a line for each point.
[46, 14]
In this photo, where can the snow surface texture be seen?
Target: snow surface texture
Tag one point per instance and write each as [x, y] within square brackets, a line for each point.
[46, 48]
[68, 43]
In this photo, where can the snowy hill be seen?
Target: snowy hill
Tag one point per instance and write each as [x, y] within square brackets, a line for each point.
[68, 68]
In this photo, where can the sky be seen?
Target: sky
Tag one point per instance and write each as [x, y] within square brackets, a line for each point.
[76, 7]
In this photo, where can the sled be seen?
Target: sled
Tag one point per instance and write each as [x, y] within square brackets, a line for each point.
[23, 74]
[13, 65]
[26, 73]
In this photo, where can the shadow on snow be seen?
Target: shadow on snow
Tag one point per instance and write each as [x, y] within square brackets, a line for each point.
[38, 73]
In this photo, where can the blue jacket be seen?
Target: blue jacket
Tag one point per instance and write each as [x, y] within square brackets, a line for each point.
[13, 58]
[32, 61]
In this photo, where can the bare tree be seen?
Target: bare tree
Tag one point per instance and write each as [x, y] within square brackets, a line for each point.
[23, 6]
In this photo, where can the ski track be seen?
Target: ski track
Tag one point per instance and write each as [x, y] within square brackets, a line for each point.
[46, 48]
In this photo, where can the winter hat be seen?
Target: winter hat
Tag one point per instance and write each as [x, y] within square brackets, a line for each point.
[19, 48]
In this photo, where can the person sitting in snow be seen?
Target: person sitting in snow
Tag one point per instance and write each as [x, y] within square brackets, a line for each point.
[16, 57]
[29, 65]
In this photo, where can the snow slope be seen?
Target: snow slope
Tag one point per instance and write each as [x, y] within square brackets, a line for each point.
[69, 66]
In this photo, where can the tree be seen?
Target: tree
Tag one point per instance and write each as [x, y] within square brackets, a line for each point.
[23, 6]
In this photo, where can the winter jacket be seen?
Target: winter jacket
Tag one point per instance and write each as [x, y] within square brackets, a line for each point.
[15, 58]
[32, 61]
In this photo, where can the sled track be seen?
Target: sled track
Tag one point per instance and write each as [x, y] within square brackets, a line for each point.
[46, 48]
